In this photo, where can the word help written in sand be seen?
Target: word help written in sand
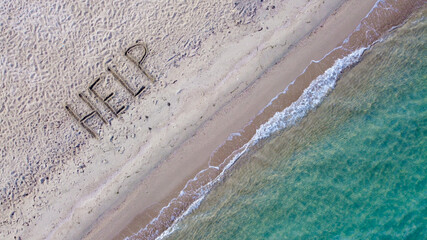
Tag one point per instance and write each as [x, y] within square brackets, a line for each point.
[105, 99]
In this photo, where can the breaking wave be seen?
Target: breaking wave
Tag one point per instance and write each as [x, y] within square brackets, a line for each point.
[312, 96]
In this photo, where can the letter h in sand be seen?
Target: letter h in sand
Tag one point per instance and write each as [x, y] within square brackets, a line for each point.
[82, 120]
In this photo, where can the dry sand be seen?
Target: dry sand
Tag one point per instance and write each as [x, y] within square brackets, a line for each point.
[207, 58]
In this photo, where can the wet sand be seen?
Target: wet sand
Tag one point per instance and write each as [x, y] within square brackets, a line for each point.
[144, 160]
[202, 149]
[57, 181]
[322, 44]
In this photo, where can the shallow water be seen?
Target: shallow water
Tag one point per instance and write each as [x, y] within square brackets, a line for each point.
[354, 168]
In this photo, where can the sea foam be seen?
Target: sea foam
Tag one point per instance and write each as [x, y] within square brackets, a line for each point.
[311, 97]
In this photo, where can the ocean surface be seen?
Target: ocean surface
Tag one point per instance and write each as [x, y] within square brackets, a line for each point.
[355, 167]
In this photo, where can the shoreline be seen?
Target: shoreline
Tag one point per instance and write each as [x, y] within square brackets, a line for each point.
[144, 217]
[196, 116]
[228, 62]
[218, 158]
[284, 185]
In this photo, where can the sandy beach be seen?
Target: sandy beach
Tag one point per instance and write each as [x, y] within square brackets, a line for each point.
[216, 65]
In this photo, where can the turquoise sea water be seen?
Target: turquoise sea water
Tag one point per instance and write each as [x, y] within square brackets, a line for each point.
[354, 168]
